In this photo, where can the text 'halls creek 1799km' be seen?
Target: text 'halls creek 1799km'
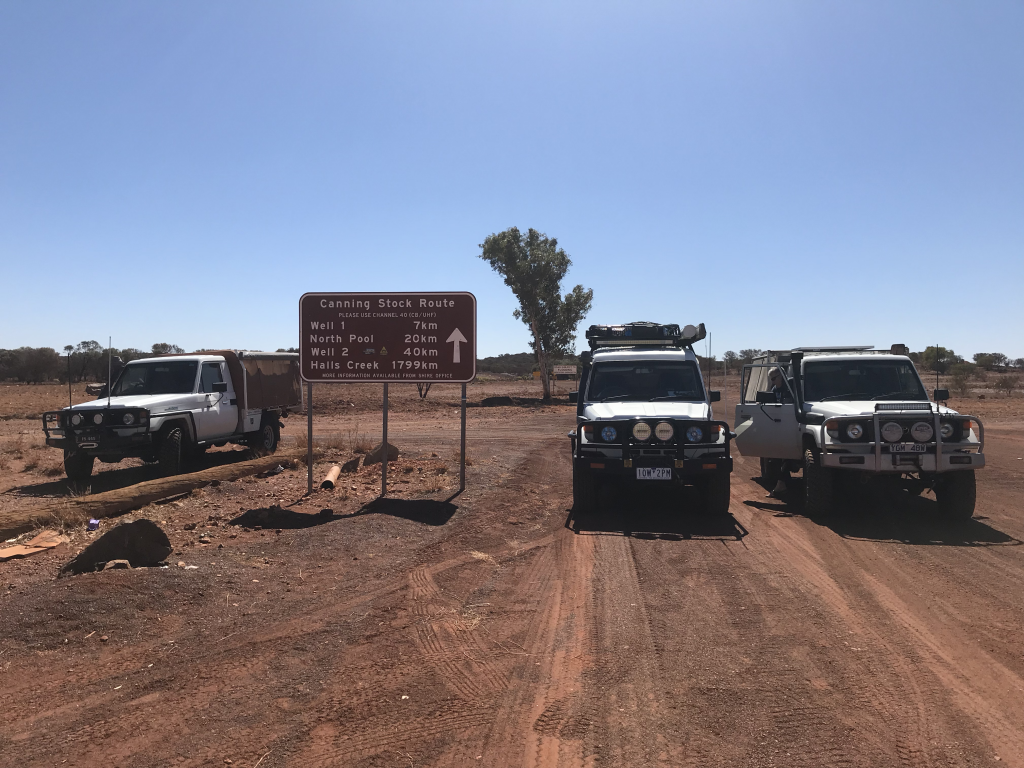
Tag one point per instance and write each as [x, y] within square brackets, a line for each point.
[387, 337]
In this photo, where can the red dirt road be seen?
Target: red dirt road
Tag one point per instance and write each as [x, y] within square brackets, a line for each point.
[497, 629]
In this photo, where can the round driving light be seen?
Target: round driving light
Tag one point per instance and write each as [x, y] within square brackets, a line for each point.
[694, 434]
[76, 419]
[946, 430]
[97, 419]
[642, 430]
[922, 431]
[608, 434]
[891, 432]
[663, 431]
[129, 418]
[855, 431]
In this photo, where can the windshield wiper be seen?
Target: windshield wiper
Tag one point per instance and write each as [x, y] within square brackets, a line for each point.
[901, 395]
[613, 397]
[847, 396]
[671, 397]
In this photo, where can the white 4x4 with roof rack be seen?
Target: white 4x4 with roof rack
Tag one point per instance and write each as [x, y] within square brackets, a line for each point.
[840, 411]
[643, 414]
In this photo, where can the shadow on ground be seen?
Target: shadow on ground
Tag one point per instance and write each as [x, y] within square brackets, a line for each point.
[671, 514]
[278, 517]
[878, 513]
[116, 479]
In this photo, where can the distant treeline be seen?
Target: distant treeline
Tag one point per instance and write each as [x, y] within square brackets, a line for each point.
[518, 364]
[88, 361]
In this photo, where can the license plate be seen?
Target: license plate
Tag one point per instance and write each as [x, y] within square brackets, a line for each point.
[908, 448]
[653, 473]
[87, 438]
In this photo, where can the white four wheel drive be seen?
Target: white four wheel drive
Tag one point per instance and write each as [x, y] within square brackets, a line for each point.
[643, 416]
[844, 413]
[167, 409]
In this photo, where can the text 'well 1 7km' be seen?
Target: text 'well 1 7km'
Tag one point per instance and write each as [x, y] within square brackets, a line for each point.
[388, 337]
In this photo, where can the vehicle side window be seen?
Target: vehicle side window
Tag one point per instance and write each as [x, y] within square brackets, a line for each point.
[211, 375]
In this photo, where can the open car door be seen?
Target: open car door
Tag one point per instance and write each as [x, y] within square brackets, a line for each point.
[766, 429]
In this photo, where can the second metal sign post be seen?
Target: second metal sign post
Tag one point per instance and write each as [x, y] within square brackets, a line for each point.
[385, 338]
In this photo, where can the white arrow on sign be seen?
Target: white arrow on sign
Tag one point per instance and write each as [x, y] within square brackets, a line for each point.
[458, 338]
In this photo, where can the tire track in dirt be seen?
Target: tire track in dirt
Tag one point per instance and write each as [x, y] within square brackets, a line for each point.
[892, 675]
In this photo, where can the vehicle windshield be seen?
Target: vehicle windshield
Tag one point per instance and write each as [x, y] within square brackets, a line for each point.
[166, 377]
[647, 380]
[861, 380]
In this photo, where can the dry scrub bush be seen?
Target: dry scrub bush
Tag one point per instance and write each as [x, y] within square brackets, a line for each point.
[456, 456]
[1006, 384]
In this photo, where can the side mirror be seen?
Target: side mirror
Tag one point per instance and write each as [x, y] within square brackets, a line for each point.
[573, 397]
[220, 386]
[940, 394]
[714, 395]
[765, 398]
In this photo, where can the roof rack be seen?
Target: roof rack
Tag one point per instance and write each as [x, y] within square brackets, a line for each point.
[833, 349]
[644, 334]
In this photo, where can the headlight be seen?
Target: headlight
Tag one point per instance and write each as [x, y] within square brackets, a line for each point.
[608, 434]
[922, 431]
[891, 432]
[855, 431]
[664, 431]
[76, 419]
[694, 434]
[642, 430]
[97, 419]
[946, 430]
[128, 418]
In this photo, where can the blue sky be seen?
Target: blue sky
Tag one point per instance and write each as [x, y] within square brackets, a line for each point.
[789, 173]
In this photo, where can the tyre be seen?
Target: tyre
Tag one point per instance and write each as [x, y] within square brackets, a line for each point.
[957, 493]
[716, 494]
[264, 442]
[771, 471]
[584, 496]
[173, 449]
[78, 466]
[819, 485]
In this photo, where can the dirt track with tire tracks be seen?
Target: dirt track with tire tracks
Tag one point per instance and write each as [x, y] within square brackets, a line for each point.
[497, 628]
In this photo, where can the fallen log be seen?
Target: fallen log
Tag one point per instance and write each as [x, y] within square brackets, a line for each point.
[116, 502]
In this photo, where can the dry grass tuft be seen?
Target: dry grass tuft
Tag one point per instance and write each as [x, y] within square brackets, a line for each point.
[483, 556]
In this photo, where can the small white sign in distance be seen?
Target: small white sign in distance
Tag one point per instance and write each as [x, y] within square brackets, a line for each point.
[564, 370]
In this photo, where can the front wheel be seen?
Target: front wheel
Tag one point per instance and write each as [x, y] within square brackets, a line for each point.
[172, 452]
[819, 485]
[584, 497]
[771, 471]
[264, 442]
[78, 466]
[716, 494]
[956, 494]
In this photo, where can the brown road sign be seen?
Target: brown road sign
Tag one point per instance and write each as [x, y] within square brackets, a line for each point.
[387, 337]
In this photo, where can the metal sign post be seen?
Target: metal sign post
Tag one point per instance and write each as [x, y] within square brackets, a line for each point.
[384, 447]
[309, 438]
[462, 450]
[384, 338]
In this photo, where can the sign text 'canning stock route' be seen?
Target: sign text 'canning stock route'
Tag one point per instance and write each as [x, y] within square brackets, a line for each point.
[387, 337]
